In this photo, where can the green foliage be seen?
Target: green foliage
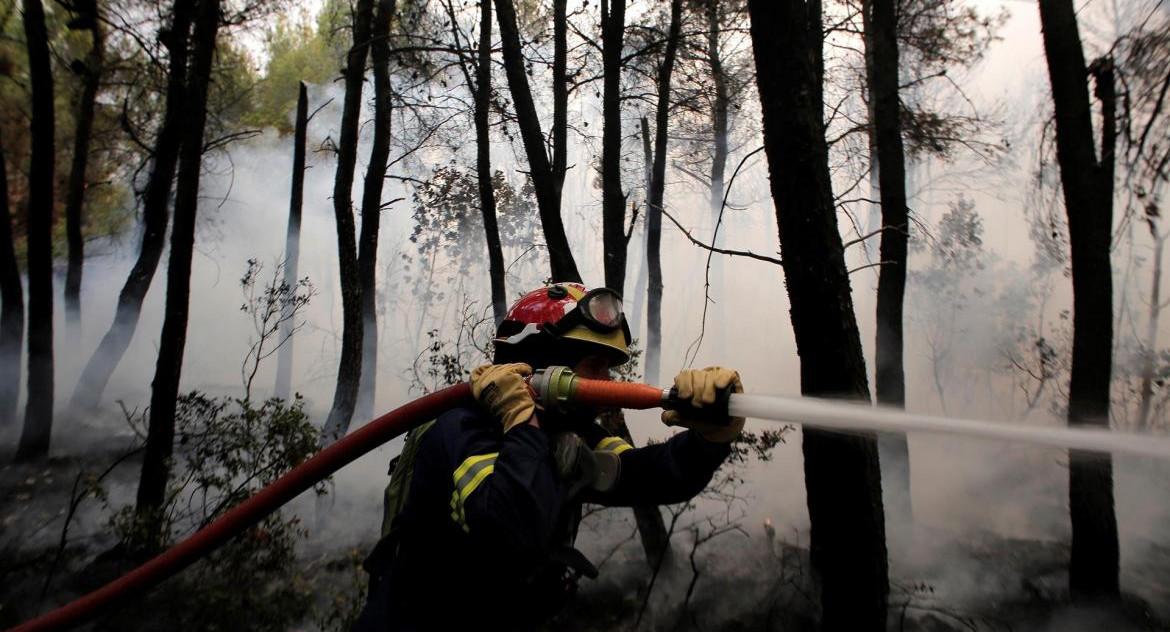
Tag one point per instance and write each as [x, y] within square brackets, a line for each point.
[227, 450]
[296, 52]
[448, 218]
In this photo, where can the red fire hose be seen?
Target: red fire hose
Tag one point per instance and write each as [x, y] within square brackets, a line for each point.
[303, 477]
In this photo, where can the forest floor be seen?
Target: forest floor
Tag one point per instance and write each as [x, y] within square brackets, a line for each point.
[984, 582]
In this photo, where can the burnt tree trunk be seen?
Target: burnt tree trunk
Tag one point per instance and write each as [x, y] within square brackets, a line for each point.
[349, 369]
[719, 129]
[173, 341]
[880, 19]
[1088, 199]
[1148, 372]
[654, 203]
[547, 177]
[155, 216]
[613, 201]
[483, 162]
[842, 475]
[372, 204]
[90, 73]
[38, 412]
[11, 310]
[292, 239]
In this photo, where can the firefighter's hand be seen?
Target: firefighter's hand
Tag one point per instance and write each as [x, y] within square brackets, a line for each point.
[699, 387]
[501, 390]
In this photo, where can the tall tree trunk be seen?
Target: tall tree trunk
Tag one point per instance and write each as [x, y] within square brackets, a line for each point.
[11, 310]
[372, 204]
[349, 369]
[292, 240]
[880, 18]
[545, 179]
[90, 71]
[719, 131]
[638, 301]
[173, 341]
[841, 470]
[155, 216]
[613, 201]
[483, 162]
[1088, 201]
[38, 412]
[654, 204]
[1146, 391]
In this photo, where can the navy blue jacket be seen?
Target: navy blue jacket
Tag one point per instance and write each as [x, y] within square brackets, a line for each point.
[485, 509]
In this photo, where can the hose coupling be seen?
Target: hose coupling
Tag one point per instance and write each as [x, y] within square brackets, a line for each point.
[553, 387]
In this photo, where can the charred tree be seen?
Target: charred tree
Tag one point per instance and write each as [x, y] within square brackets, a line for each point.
[11, 310]
[1148, 370]
[173, 341]
[842, 475]
[155, 216]
[613, 201]
[483, 162]
[90, 73]
[1088, 199]
[38, 412]
[881, 40]
[719, 110]
[547, 177]
[292, 239]
[349, 369]
[372, 203]
[481, 93]
[654, 203]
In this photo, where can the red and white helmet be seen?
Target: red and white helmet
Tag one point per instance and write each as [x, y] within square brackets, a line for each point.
[549, 325]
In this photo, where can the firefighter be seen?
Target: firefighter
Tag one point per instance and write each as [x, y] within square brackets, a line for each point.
[483, 503]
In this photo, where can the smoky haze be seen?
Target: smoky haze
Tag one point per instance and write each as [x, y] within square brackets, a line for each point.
[971, 498]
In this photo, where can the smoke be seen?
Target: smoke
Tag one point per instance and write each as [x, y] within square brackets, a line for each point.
[991, 520]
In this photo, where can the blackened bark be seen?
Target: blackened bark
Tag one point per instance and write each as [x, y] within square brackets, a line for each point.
[545, 179]
[654, 204]
[881, 41]
[560, 90]
[349, 369]
[719, 108]
[155, 216]
[11, 310]
[841, 471]
[613, 201]
[1148, 371]
[90, 72]
[38, 412]
[173, 341]
[1088, 201]
[483, 162]
[372, 204]
[292, 239]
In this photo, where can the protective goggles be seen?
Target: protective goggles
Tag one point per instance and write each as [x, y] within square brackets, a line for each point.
[600, 310]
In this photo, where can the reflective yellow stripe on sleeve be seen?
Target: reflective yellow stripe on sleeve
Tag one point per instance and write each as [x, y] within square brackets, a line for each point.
[468, 476]
[613, 444]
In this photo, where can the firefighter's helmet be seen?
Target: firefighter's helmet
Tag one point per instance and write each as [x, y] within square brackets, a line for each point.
[563, 322]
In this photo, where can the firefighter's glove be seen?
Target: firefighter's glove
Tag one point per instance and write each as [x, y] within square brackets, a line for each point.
[699, 387]
[500, 389]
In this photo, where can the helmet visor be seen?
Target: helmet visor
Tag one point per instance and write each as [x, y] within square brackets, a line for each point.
[603, 308]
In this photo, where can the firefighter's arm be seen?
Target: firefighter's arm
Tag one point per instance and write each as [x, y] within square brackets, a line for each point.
[660, 474]
[679, 469]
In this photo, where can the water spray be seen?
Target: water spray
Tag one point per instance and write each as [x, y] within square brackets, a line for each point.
[559, 387]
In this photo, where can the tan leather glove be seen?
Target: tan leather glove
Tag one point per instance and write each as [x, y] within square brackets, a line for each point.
[699, 387]
[501, 390]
